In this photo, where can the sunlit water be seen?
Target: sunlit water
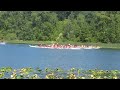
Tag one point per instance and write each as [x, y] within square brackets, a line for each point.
[21, 55]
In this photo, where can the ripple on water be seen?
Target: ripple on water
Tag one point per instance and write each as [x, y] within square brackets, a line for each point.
[20, 55]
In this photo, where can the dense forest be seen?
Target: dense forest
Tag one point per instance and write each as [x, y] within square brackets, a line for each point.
[61, 26]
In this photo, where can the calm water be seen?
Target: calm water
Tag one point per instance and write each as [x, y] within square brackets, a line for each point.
[18, 56]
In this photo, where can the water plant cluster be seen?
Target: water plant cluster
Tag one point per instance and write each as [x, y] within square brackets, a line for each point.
[57, 73]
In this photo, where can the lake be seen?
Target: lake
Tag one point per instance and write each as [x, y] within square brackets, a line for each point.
[21, 55]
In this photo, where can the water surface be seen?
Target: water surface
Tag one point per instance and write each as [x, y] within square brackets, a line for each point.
[21, 55]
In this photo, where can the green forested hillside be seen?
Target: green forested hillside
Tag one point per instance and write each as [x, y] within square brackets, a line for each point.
[76, 26]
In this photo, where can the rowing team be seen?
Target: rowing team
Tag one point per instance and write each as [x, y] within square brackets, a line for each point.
[68, 46]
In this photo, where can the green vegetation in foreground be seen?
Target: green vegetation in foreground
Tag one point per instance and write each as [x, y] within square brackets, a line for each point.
[102, 45]
[57, 73]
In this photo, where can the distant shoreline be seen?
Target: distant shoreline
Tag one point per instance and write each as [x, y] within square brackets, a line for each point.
[102, 45]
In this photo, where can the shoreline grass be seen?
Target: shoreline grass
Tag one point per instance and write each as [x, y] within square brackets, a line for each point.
[102, 45]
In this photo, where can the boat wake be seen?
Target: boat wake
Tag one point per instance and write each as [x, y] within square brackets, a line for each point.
[35, 46]
[2, 43]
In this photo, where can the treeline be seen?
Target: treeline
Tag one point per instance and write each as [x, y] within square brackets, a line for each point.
[61, 26]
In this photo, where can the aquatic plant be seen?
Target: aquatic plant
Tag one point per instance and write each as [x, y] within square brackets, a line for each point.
[57, 73]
